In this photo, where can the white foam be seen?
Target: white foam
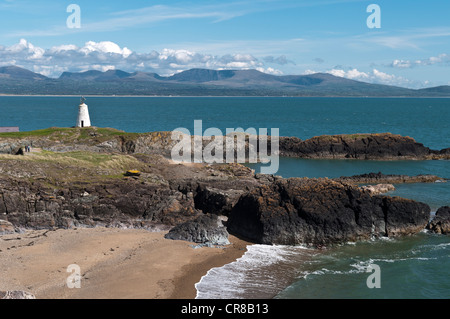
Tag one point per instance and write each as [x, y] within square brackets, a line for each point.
[252, 275]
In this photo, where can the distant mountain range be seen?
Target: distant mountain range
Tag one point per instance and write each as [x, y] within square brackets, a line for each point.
[199, 82]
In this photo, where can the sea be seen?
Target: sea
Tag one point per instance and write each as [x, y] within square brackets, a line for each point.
[412, 267]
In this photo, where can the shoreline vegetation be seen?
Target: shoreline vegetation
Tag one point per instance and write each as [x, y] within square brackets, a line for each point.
[71, 201]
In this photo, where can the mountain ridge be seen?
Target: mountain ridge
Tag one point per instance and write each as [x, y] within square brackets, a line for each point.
[200, 82]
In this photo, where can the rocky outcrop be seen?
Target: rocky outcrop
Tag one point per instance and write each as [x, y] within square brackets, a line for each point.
[441, 221]
[6, 227]
[220, 197]
[354, 146]
[206, 230]
[357, 146]
[378, 189]
[46, 193]
[125, 203]
[263, 208]
[377, 178]
[320, 212]
[290, 146]
[16, 294]
[89, 189]
[351, 146]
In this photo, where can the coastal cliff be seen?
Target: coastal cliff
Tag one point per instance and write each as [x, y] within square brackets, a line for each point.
[78, 178]
[321, 212]
[73, 189]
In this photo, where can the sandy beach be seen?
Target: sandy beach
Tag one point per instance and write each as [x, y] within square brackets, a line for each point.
[114, 263]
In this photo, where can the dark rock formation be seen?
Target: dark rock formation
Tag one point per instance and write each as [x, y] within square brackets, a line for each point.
[126, 203]
[375, 178]
[17, 151]
[357, 146]
[220, 197]
[214, 194]
[88, 189]
[321, 211]
[404, 216]
[441, 221]
[206, 230]
[42, 195]
[290, 146]
[263, 208]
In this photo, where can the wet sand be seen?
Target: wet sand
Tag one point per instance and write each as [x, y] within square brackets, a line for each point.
[114, 263]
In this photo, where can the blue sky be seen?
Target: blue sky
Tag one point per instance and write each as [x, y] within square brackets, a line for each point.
[411, 49]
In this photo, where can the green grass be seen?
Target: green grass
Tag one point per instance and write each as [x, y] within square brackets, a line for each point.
[88, 159]
[70, 135]
[81, 159]
[85, 157]
[90, 132]
[78, 167]
[38, 133]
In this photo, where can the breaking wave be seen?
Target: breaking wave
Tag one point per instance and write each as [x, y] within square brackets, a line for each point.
[260, 273]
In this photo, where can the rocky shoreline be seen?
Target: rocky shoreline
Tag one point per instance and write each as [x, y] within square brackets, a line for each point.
[379, 146]
[322, 212]
[378, 178]
[383, 146]
[78, 180]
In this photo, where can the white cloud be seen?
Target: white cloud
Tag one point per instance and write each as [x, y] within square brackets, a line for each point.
[339, 73]
[238, 65]
[107, 55]
[401, 64]
[180, 56]
[104, 47]
[308, 72]
[64, 47]
[440, 59]
[269, 70]
[353, 74]
[25, 46]
[373, 76]
[102, 68]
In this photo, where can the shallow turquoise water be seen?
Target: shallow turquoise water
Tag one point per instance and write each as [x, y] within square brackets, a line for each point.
[416, 267]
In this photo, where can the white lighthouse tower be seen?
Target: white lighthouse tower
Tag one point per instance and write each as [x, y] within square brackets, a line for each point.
[83, 115]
